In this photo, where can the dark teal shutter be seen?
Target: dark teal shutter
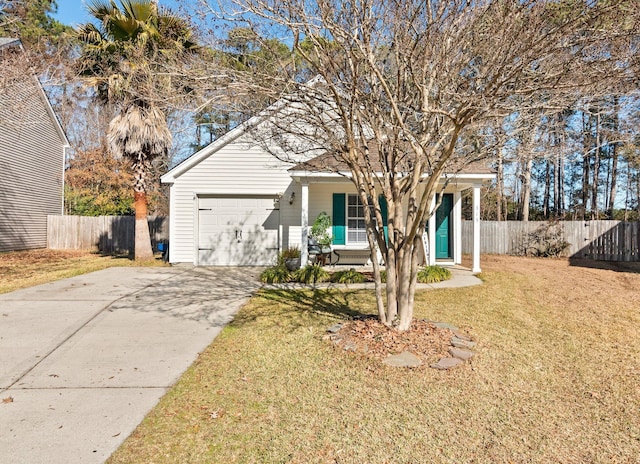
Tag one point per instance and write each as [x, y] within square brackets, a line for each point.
[383, 211]
[339, 219]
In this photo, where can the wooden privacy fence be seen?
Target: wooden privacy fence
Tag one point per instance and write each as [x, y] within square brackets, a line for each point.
[107, 234]
[600, 240]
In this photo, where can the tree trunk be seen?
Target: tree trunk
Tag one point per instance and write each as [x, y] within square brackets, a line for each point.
[596, 170]
[547, 190]
[143, 249]
[614, 163]
[499, 187]
[526, 188]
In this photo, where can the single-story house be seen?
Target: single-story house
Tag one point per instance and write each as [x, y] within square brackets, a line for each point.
[234, 203]
[32, 155]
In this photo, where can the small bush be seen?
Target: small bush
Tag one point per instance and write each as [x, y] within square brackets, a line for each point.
[276, 275]
[311, 273]
[432, 274]
[545, 242]
[290, 253]
[348, 277]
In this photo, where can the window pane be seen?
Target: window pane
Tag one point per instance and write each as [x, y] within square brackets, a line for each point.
[356, 232]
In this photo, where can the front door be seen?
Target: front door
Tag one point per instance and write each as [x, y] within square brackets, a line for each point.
[443, 227]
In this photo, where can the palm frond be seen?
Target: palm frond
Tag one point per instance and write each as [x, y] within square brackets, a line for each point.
[140, 10]
[139, 132]
[102, 9]
[90, 34]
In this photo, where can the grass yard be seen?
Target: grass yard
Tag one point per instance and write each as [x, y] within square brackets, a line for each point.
[555, 380]
[21, 269]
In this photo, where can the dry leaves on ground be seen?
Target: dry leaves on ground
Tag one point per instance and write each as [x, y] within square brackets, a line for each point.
[370, 337]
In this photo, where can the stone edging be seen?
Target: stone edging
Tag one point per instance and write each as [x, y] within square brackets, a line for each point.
[460, 351]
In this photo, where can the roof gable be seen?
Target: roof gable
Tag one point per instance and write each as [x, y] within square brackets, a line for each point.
[31, 80]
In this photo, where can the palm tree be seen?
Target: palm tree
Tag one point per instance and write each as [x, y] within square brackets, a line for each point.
[130, 59]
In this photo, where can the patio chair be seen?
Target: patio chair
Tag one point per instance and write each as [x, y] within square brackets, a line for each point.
[320, 253]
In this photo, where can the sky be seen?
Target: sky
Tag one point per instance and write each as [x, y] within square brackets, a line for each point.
[74, 12]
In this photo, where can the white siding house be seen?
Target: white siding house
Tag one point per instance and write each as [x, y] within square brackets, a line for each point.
[234, 203]
[32, 156]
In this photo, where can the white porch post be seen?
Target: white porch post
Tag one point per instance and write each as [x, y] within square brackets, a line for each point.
[432, 234]
[457, 228]
[476, 229]
[304, 223]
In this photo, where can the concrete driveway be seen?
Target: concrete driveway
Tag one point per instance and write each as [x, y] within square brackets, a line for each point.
[83, 360]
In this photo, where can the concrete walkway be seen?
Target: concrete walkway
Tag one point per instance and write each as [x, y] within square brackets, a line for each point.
[83, 360]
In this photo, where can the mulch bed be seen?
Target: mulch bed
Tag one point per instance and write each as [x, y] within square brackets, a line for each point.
[375, 340]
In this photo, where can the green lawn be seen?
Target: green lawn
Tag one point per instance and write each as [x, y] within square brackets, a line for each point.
[555, 380]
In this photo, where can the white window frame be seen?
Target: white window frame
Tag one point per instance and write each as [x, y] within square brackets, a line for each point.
[359, 204]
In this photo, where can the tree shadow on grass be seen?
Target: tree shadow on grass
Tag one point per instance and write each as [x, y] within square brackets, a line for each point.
[616, 266]
[330, 303]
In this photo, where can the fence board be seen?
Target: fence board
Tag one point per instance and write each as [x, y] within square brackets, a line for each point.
[600, 240]
[107, 234]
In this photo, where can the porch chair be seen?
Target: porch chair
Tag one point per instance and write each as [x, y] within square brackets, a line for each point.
[319, 252]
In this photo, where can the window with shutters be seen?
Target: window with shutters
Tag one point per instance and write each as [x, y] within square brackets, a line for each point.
[356, 230]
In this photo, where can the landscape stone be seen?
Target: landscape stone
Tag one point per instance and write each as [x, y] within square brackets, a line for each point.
[404, 359]
[460, 343]
[445, 325]
[461, 353]
[335, 328]
[350, 346]
[447, 363]
[461, 335]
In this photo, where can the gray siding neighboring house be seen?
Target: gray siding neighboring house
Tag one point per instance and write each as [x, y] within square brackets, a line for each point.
[32, 157]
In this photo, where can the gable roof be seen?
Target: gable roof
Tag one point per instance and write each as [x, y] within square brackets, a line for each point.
[232, 135]
[326, 163]
[7, 42]
[332, 162]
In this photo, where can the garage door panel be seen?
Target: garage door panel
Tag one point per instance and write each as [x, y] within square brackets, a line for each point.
[237, 231]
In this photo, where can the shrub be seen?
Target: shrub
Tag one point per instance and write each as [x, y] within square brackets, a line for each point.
[320, 229]
[348, 277]
[432, 274]
[311, 273]
[276, 275]
[546, 241]
[290, 253]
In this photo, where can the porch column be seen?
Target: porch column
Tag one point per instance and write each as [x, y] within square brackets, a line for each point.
[476, 228]
[304, 223]
[457, 228]
[432, 234]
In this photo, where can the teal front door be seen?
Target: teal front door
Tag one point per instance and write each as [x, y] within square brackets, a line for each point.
[443, 227]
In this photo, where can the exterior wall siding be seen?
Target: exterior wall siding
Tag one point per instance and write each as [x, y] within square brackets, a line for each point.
[32, 160]
[239, 169]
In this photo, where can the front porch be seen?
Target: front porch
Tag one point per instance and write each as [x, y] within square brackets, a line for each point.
[337, 197]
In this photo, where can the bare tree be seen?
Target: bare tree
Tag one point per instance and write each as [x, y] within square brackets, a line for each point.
[402, 86]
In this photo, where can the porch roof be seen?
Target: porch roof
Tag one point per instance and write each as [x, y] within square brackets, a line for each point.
[331, 165]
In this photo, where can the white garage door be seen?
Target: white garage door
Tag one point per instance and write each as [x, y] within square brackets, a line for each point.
[237, 231]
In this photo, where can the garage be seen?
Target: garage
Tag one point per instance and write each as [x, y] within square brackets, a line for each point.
[237, 231]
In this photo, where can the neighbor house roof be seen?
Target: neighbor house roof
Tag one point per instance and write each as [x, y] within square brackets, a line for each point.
[8, 42]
